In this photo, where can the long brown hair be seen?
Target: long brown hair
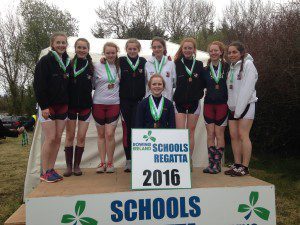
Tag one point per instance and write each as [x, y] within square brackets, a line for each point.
[241, 48]
[162, 41]
[88, 57]
[179, 53]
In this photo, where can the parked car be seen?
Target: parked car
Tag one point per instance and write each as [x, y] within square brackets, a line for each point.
[13, 122]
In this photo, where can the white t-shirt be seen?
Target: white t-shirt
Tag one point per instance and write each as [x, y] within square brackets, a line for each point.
[168, 72]
[103, 94]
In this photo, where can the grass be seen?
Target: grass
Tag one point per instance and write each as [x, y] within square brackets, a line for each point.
[13, 164]
[282, 172]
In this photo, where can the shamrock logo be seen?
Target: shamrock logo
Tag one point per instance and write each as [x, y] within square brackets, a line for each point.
[79, 208]
[259, 211]
[147, 137]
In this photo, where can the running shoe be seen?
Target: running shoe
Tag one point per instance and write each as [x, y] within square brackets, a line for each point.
[59, 177]
[110, 168]
[101, 168]
[48, 177]
[238, 172]
[230, 171]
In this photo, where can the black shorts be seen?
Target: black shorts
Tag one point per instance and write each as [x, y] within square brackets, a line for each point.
[81, 114]
[188, 108]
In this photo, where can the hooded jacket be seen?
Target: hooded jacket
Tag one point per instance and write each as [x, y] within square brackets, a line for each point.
[243, 90]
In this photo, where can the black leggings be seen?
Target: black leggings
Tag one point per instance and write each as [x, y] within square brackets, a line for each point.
[128, 112]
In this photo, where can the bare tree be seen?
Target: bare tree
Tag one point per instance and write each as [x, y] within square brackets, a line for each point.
[116, 17]
[175, 17]
[186, 17]
[201, 16]
[13, 72]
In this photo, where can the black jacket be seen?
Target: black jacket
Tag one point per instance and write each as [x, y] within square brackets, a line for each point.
[132, 85]
[50, 82]
[80, 88]
[144, 118]
[213, 95]
[187, 92]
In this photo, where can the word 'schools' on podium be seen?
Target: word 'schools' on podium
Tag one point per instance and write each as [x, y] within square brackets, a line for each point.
[160, 159]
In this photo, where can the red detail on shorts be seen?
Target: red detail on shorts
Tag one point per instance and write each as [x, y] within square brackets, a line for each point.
[105, 113]
[215, 111]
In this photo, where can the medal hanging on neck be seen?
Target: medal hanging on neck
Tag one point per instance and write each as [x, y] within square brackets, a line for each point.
[189, 71]
[215, 76]
[156, 112]
[111, 77]
[61, 63]
[159, 66]
[231, 77]
[77, 73]
[133, 67]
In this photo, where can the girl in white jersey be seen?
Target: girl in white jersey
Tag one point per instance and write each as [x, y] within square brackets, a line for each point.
[160, 64]
[106, 105]
[241, 82]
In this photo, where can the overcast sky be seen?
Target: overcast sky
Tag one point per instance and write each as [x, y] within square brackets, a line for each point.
[84, 10]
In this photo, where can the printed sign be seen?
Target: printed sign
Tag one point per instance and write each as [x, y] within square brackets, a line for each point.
[252, 205]
[160, 159]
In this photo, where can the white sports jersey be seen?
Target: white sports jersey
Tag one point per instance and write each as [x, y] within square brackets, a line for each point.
[103, 94]
[243, 88]
[168, 72]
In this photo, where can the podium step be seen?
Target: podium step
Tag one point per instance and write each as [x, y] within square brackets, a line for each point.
[18, 218]
[92, 183]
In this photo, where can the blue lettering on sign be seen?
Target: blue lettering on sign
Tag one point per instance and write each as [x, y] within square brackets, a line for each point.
[170, 147]
[158, 208]
[170, 158]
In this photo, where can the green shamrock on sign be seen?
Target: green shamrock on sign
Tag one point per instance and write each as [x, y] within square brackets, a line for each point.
[259, 211]
[79, 208]
[147, 137]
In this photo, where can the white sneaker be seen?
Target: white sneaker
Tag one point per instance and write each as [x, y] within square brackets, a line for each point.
[110, 168]
[127, 167]
[101, 168]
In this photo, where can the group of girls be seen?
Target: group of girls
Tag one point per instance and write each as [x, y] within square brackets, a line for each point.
[142, 92]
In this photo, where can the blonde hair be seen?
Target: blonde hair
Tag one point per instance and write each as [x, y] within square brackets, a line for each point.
[156, 76]
[133, 41]
[57, 34]
[179, 53]
[111, 44]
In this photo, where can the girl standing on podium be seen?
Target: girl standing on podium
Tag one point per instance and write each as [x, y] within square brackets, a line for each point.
[106, 105]
[241, 81]
[50, 84]
[160, 64]
[80, 104]
[155, 111]
[132, 91]
[215, 105]
[189, 88]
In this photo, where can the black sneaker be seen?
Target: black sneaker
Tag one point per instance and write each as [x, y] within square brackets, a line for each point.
[230, 171]
[239, 172]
